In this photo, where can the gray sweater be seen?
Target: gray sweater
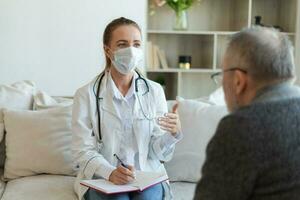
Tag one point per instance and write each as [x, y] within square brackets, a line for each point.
[255, 153]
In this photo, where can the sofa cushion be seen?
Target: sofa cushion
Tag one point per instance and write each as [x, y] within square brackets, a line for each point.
[16, 96]
[183, 190]
[199, 121]
[54, 187]
[217, 97]
[44, 101]
[45, 187]
[2, 184]
[2, 188]
[38, 142]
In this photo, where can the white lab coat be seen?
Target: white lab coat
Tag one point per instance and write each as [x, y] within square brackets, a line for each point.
[89, 156]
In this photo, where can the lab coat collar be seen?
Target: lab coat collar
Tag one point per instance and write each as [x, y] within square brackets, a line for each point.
[106, 97]
[116, 92]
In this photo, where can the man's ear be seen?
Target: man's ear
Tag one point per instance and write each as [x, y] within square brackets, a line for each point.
[240, 82]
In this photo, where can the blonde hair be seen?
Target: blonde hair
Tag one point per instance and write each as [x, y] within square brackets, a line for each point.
[113, 25]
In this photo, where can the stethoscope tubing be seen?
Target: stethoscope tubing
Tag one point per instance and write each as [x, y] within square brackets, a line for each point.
[100, 77]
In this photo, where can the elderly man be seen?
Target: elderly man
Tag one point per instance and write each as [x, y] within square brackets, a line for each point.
[255, 153]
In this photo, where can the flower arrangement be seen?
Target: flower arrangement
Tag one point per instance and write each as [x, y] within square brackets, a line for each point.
[179, 7]
[176, 5]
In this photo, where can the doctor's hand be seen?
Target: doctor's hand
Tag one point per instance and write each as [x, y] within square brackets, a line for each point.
[122, 175]
[170, 122]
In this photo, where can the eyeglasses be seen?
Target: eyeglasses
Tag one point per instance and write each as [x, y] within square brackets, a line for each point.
[218, 76]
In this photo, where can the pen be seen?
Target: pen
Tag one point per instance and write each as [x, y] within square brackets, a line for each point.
[121, 161]
[126, 166]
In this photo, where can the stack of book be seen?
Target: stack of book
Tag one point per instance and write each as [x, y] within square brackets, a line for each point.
[156, 57]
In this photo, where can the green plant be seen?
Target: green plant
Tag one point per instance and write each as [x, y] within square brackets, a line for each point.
[180, 5]
[160, 79]
[176, 5]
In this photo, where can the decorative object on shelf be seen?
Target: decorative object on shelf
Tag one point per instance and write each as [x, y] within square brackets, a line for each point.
[180, 8]
[258, 20]
[185, 62]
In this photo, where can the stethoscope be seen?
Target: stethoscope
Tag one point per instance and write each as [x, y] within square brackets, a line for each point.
[137, 80]
[100, 77]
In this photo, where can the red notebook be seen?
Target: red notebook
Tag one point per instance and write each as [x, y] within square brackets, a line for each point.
[143, 181]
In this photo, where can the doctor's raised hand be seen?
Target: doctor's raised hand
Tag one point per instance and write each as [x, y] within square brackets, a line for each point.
[114, 120]
[170, 121]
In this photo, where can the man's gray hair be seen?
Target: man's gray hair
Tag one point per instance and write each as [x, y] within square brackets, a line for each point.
[265, 53]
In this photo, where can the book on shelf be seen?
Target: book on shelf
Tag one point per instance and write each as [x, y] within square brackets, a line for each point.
[162, 59]
[149, 58]
[156, 57]
[142, 181]
[156, 61]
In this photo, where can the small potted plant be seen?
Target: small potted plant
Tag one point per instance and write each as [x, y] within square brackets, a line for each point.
[161, 80]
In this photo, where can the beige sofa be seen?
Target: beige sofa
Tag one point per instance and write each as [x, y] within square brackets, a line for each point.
[35, 169]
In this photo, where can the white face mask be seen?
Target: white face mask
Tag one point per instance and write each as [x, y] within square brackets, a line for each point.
[127, 59]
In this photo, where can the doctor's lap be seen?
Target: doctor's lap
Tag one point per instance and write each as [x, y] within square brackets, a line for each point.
[153, 193]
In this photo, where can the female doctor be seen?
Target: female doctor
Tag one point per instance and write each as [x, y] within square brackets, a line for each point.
[120, 121]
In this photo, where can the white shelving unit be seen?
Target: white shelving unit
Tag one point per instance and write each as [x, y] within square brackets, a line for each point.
[210, 25]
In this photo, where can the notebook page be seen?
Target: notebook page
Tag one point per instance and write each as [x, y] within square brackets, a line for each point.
[108, 187]
[146, 179]
[143, 180]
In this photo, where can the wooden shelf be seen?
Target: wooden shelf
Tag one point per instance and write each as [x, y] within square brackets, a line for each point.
[276, 12]
[210, 15]
[201, 32]
[184, 70]
[210, 26]
[190, 32]
[290, 34]
[199, 47]
[171, 82]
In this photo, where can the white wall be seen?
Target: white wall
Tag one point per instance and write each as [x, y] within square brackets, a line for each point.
[57, 43]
